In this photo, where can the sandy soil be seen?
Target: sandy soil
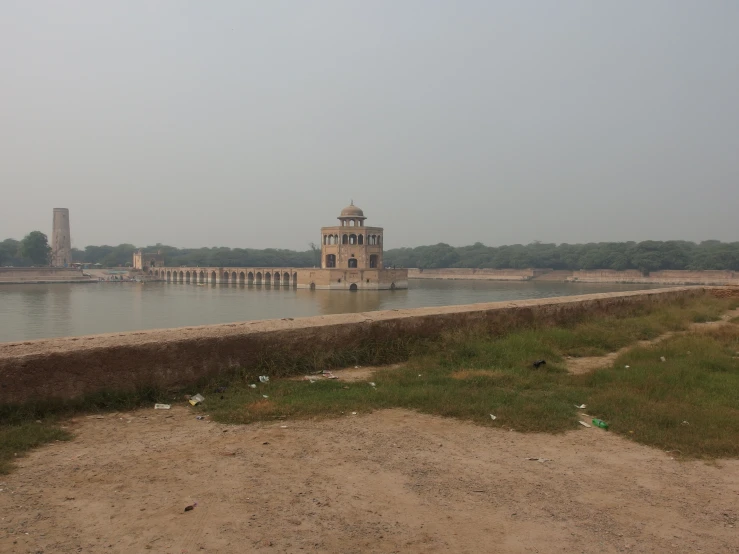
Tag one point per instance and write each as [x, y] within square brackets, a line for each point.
[391, 481]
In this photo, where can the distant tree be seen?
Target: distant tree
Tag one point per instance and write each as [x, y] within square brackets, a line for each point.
[9, 252]
[35, 247]
[316, 253]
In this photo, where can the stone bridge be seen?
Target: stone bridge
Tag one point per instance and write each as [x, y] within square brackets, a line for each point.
[279, 277]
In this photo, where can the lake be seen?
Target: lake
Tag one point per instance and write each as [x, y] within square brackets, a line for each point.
[57, 310]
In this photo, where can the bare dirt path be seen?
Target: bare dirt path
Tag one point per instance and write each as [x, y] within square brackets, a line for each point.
[586, 364]
[392, 481]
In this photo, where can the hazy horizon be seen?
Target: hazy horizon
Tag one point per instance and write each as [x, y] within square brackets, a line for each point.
[253, 124]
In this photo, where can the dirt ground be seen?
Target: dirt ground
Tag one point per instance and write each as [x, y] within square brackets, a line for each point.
[390, 481]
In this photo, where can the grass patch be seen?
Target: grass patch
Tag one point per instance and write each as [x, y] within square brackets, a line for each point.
[470, 375]
[17, 439]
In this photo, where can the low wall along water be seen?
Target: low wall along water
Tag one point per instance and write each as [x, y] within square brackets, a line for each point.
[172, 358]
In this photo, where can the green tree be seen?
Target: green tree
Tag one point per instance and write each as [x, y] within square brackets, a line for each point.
[35, 247]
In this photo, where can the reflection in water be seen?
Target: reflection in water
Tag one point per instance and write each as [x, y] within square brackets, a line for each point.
[38, 311]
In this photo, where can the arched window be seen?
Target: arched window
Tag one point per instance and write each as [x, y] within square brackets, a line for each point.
[351, 223]
[345, 239]
[352, 263]
[360, 239]
[352, 239]
[336, 239]
[330, 260]
[259, 278]
[373, 261]
[379, 239]
[212, 276]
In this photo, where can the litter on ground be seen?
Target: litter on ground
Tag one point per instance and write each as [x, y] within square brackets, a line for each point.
[162, 406]
[263, 379]
[493, 417]
[584, 424]
[197, 399]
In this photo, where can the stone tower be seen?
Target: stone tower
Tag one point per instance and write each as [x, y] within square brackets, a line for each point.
[351, 245]
[61, 243]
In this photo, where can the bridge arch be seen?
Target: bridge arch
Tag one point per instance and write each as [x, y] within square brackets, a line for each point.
[182, 276]
[201, 277]
[267, 278]
[286, 279]
[169, 276]
[259, 278]
[187, 276]
[242, 278]
[295, 279]
[277, 278]
[224, 279]
[233, 278]
[213, 277]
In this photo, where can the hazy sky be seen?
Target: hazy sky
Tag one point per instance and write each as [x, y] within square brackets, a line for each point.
[252, 124]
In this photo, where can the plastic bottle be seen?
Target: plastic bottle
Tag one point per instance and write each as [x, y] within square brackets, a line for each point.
[600, 423]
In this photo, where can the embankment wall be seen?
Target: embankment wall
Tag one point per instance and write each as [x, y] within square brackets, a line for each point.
[40, 274]
[472, 273]
[172, 358]
[667, 277]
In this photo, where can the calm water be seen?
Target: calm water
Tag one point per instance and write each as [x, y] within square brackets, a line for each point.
[39, 311]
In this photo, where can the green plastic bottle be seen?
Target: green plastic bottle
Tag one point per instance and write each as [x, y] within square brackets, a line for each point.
[600, 423]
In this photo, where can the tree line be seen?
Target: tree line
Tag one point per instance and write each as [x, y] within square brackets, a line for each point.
[644, 256]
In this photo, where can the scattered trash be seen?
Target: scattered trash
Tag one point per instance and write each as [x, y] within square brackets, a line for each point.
[372, 384]
[662, 359]
[539, 363]
[265, 443]
[585, 424]
[419, 374]
[283, 426]
[493, 417]
[253, 386]
[162, 406]
[265, 396]
[685, 423]
[626, 367]
[197, 399]
[580, 407]
[200, 417]
[354, 413]
[356, 367]
[541, 460]
[600, 423]
[263, 379]
[191, 507]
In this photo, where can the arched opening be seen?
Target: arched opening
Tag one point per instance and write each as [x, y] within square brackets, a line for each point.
[312, 286]
[353, 287]
[379, 239]
[212, 277]
[187, 276]
[352, 239]
[360, 239]
[286, 279]
[201, 278]
[250, 278]
[330, 260]
[182, 276]
[224, 279]
[392, 286]
[276, 278]
[233, 278]
[351, 223]
[259, 277]
[268, 278]
[295, 279]
[345, 239]
[373, 261]
[169, 275]
[242, 278]
[352, 263]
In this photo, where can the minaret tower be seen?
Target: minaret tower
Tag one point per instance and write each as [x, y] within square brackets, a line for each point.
[61, 243]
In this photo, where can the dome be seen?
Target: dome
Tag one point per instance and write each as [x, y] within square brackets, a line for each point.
[352, 211]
